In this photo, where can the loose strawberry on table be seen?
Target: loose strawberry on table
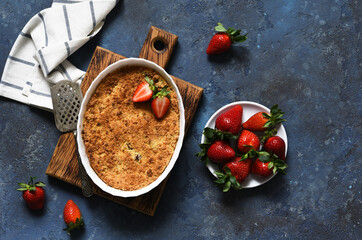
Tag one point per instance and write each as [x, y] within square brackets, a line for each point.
[223, 39]
[33, 193]
[72, 216]
[230, 121]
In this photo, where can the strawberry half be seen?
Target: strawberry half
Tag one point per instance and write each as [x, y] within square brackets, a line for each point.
[161, 103]
[72, 216]
[220, 151]
[248, 140]
[144, 91]
[222, 40]
[33, 194]
[235, 172]
[230, 121]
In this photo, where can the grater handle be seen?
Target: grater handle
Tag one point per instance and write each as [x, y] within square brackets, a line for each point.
[84, 178]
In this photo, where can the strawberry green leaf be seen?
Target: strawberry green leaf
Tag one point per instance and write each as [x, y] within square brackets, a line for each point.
[40, 184]
[268, 134]
[23, 185]
[227, 171]
[220, 28]
[226, 187]
[209, 132]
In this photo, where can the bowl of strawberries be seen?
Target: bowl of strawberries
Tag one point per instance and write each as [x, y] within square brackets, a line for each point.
[244, 145]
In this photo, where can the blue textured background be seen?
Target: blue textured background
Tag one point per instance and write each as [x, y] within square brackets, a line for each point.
[303, 55]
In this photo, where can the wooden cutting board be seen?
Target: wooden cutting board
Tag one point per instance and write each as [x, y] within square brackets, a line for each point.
[63, 165]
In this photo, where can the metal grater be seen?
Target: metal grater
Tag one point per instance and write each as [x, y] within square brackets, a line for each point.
[67, 98]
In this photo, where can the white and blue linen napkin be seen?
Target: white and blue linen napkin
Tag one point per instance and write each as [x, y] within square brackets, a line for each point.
[38, 57]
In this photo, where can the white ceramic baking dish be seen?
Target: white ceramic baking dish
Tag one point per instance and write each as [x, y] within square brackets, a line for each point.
[89, 93]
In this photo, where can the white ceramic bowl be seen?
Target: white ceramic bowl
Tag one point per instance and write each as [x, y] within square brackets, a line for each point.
[120, 64]
[249, 109]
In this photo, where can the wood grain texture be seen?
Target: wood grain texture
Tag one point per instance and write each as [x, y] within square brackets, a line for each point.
[149, 52]
[63, 164]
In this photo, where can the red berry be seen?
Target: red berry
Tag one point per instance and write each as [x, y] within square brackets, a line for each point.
[160, 106]
[33, 194]
[143, 93]
[72, 216]
[248, 140]
[230, 121]
[275, 145]
[219, 43]
[256, 122]
[239, 169]
[222, 40]
[220, 151]
[261, 169]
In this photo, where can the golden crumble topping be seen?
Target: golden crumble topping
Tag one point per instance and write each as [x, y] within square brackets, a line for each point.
[126, 145]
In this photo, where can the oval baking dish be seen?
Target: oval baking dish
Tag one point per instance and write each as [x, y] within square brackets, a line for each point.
[130, 62]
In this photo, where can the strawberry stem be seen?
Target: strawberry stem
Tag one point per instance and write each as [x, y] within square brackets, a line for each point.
[30, 186]
[78, 223]
[233, 34]
[227, 180]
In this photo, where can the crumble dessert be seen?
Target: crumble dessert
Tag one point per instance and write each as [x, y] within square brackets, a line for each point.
[126, 145]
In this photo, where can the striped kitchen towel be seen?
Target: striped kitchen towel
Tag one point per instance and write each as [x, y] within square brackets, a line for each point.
[38, 57]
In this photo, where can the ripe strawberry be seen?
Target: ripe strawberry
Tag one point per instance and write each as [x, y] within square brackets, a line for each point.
[248, 140]
[239, 169]
[235, 172]
[275, 145]
[161, 102]
[262, 121]
[222, 40]
[230, 121]
[256, 122]
[33, 194]
[220, 151]
[260, 168]
[72, 216]
[211, 136]
[144, 91]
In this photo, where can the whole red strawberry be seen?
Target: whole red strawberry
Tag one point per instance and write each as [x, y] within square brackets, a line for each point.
[248, 140]
[72, 216]
[275, 145]
[161, 103]
[33, 194]
[239, 169]
[262, 121]
[220, 151]
[260, 168]
[230, 121]
[222, 40]
[235, 172]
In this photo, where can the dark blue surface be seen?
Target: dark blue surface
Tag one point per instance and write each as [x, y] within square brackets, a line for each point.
[303, 55]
